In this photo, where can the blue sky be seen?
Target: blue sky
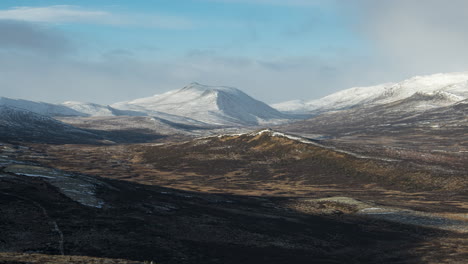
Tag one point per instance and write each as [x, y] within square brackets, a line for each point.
[230, 27]
[107, 51]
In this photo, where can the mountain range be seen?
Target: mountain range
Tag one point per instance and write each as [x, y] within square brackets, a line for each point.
[195, 104]
[198, 107]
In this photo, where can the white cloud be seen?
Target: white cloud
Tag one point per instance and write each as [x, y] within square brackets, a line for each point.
[76, 14]
[59, 13]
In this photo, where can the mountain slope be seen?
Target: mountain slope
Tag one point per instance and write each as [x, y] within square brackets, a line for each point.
[453, 87]
[209, 104]
[92, 109]
[40, 107]
[21, 125]
[418, 111]
[436, 136]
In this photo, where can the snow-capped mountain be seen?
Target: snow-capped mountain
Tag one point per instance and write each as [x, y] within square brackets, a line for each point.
[217, 105]
[194, 105]
[443, 88]
[40, 107]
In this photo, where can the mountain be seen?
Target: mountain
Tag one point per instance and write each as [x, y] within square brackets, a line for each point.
[217, 105]
[17, 124]
[419, 112]
[445, 89]
[195, 105]
[412, 128]
[40, 107]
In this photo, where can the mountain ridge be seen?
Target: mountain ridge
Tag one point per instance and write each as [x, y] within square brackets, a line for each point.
[452, 85]
[40, 107]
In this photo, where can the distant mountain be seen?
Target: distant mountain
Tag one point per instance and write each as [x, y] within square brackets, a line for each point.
[415, 112]
[433, 106]
[195, 105]
[217, 105]
[444, 89]
[40, 107]
[18, 124]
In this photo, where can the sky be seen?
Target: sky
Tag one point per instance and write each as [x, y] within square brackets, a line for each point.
[108, 51]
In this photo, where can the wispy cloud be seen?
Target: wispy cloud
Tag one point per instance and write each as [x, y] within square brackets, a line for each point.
[76, 14]
[58, 13]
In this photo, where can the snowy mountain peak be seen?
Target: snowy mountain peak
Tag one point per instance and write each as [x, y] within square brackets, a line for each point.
[206, 89]
[220, 105]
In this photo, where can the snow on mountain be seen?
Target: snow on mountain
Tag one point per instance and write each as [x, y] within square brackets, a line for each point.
[92, 109]
[209, 104]
[450, 87]
[89, 108]
[293, 106]
[40, 107]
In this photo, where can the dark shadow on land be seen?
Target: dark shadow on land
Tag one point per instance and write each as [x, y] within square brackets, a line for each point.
[151, 223]
[94, 137]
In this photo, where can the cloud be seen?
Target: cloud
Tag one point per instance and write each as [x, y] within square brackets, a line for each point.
[26, 36]
[58, 13]
[412, 36]
[76, 14]
[119, 78]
